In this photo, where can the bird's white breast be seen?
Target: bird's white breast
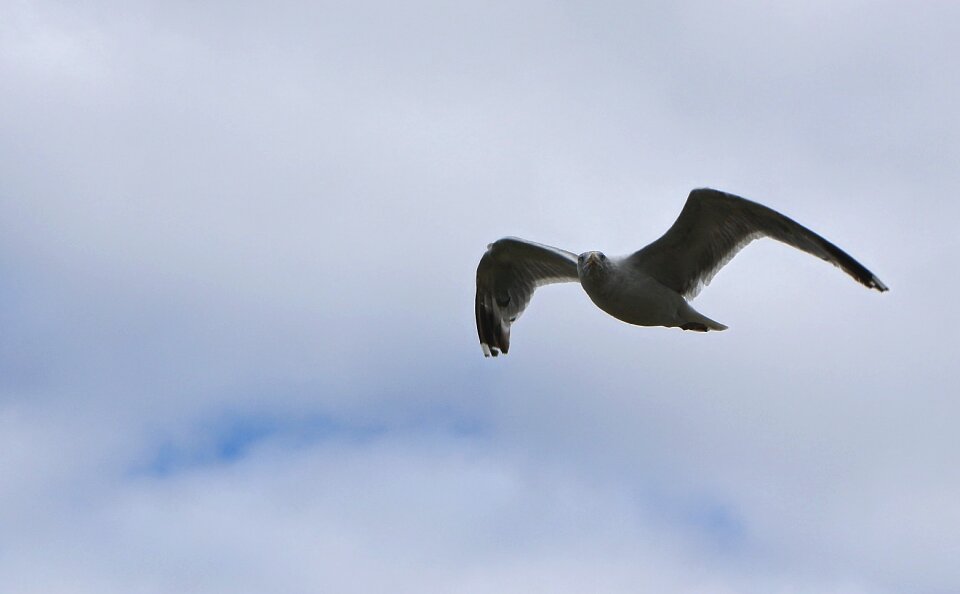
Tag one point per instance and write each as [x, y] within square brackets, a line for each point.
[632, 297]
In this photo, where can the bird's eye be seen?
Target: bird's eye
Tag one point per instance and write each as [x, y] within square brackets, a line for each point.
[603, 256]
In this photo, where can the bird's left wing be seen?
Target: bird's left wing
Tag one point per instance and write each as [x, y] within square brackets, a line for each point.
[507, 276]
[713, 226]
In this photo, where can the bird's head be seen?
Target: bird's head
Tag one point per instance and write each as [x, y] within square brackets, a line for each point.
[592, 263]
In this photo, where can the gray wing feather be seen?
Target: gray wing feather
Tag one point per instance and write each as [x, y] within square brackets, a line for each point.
[713, 226]
[508, 273]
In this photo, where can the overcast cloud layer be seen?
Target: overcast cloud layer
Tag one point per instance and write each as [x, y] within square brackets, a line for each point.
[237, 253]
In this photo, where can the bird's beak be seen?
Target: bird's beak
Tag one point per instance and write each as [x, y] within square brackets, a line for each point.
[592, 260]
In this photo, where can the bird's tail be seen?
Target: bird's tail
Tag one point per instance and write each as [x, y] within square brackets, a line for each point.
[715, 325]
[701, 323]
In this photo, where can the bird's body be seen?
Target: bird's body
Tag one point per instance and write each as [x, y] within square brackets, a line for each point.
[639, 299]
[651, 286]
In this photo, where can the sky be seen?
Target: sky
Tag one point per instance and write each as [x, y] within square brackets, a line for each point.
[238, 245]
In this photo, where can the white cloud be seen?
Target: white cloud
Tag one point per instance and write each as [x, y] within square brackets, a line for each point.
[429, 515]
[226, 212]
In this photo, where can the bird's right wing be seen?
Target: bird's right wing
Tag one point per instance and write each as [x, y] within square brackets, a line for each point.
[508, 273]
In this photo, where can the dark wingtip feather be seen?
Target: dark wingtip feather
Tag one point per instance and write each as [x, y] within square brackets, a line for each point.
[848, 264]
[876, 283]
[494, 337]
[860, 272]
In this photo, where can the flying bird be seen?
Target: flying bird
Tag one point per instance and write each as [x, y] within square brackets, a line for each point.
[650, 287]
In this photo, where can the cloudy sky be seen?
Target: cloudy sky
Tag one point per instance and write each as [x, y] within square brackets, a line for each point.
[237, 252]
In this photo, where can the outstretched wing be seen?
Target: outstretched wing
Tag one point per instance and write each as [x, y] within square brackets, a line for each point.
[508, 273]
[713, 226]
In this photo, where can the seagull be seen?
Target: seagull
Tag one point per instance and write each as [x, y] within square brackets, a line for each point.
[650, 287]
